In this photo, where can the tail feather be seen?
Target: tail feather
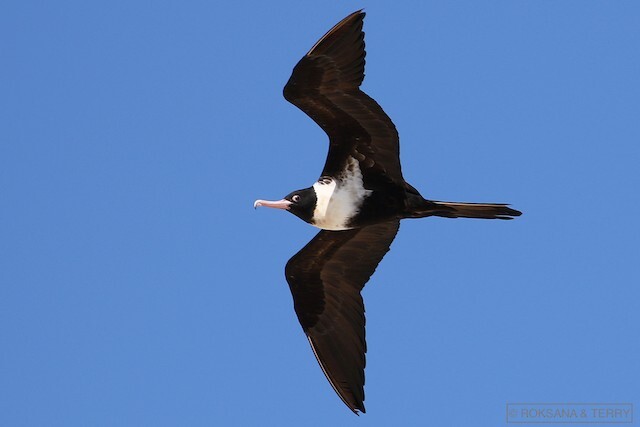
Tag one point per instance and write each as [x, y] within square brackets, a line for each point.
[467, 210]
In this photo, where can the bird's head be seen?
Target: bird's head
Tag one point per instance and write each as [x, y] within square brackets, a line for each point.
[301, 203]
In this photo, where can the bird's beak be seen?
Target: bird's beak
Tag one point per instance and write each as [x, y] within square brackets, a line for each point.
[280, 204]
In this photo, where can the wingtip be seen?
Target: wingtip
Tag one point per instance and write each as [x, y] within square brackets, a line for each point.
[357, 408]
[356, 405]
[359, 13]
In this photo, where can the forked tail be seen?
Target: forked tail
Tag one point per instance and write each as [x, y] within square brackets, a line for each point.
[464, 210]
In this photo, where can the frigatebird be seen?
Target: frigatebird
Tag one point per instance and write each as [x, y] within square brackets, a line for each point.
[358, 202]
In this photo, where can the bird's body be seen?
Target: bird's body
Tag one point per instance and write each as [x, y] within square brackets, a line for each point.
[358, 202]
[339, 200]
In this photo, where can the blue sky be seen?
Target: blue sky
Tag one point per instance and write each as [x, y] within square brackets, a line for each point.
[139, 287]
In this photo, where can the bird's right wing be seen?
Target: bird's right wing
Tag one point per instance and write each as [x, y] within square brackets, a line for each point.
[326, 278]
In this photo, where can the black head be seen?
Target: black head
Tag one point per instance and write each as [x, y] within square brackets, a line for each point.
[301, 203]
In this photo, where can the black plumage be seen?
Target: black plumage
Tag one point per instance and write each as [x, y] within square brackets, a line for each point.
[358, 201]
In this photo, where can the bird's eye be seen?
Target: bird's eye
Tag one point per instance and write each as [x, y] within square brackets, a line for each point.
[295, 198]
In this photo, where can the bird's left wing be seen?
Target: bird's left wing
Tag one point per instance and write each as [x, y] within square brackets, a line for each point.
[326, 278]
[325, 84]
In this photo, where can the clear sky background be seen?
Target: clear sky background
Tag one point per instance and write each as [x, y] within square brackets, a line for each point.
[138, 286]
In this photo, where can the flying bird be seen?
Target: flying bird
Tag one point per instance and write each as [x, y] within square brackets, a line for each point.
[357, 202]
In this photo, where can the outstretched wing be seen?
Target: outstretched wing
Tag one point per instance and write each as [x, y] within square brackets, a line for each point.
[325, 85]
[326, 278]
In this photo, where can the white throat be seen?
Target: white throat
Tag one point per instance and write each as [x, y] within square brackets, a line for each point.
[339, 200]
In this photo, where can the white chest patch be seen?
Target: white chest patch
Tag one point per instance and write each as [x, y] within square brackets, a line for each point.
[339, 200]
